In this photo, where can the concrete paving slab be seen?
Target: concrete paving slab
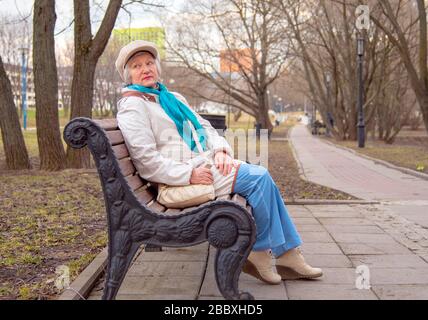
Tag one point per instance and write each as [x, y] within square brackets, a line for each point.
[320, 248]
[396, 276]
[402, 292]
[317, 237]
[302, 221]
[328, 260]
[346, 221]
[259, 289]
[306, 290]
[311, 228]
[373, 248]
[332, 229]
[362, 238]
[389, 261]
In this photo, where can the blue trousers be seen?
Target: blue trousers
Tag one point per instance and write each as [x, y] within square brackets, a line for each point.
[275, 229]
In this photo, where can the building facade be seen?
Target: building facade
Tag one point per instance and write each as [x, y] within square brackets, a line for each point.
[152, 34]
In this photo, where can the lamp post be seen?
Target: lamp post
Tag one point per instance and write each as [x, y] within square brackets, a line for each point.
[314, 114]
[24, 52]
[361, 124]
[328, 81]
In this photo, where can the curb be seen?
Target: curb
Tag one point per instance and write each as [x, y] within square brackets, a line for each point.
[382, 162]
[85, 282]
[329, 202]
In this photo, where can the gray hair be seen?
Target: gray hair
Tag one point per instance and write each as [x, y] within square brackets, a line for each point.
[127, 74]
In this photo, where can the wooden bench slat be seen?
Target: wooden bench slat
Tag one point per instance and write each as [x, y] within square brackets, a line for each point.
[156, 206]
[120, 151]
[172, 212]
[134, 182]
[144, 195]
[127, 167]
[107, 124]
[224, 197]
[239, 199]
[115, 137]
[191, 208]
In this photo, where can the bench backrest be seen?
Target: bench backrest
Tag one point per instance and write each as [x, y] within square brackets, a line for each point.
[143, 190]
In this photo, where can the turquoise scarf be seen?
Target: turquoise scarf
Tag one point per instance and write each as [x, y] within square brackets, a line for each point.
[179, 113]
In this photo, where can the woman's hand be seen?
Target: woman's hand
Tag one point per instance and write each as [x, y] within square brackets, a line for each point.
[201, 175]
[223, 162]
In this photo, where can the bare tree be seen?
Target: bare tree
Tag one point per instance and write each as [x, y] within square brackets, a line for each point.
[254, 52]
[13, 140]
[397, 19]
[51, 150]
[317, 31]
[396, 102]
[87, 50]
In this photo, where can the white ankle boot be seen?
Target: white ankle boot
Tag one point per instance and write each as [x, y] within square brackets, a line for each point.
[259, 265]
[291, 265]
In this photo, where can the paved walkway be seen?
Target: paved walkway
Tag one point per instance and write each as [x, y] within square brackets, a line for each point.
[338, 238]
[343, 170]
[340, 169]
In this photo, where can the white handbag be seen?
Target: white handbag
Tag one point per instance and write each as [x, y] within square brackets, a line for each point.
[179, 197]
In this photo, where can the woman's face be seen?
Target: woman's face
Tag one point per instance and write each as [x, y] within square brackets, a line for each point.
[143, 70]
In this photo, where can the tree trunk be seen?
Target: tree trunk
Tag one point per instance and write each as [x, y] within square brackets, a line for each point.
[263, 114]
[87, 51]
[81, 105]
[51, 150]
[423, 104]
[13, 140]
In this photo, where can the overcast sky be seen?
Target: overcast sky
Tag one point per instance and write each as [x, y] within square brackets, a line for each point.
[141, 16]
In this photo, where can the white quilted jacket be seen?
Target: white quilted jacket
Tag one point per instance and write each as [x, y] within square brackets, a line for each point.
[158, 151]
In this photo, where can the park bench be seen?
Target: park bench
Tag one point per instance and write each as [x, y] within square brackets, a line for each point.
[135, 218]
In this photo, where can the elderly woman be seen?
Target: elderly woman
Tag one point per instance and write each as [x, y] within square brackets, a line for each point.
[148, 111]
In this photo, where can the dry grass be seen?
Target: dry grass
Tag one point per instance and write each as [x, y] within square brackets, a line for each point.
[47, 220]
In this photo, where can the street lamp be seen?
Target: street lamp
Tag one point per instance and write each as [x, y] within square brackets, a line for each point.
[361, 124]
[328, 81]
[24, 52]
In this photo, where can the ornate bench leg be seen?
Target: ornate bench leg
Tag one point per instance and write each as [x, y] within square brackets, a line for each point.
[119, 260]
[228, 266]
[233, 244]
